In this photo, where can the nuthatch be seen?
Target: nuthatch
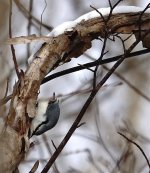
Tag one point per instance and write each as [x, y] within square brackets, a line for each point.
[47, 117]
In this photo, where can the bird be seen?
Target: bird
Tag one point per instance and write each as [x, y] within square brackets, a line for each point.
[46, 118]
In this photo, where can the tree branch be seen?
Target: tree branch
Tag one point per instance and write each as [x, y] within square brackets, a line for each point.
[60, 50]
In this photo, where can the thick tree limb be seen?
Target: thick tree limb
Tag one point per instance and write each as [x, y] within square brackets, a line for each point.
[58, 51]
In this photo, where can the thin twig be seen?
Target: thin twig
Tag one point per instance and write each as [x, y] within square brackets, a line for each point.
[42, 16]
[12, 47]
[45, 140]
[81, 124]
[5, 100]
[84, 108]
[98, 126]
[29, 27]
[92, 64]
[138, 148]
[139, 92]
[7, 86]
[26, 14]
[140, 21]
[103, 18]
[35, 167]
[112, 8]
[54, 144]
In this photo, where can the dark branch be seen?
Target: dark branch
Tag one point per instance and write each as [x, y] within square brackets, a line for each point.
[138, 148]
[92, 64]
[84, 108]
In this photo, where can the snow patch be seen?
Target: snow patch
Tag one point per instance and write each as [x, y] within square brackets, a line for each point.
[68, 26]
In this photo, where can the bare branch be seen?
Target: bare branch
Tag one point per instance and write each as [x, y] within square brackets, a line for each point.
[130, 85]
[12, 47]
[138, 148]
[28, 39]
[27, 13]
[92, 64]
[59, 50]
[84, 108]
[42, 16]
[35, 167]
[29, 28]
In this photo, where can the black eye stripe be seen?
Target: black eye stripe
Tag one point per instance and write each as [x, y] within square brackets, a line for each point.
[36, 129]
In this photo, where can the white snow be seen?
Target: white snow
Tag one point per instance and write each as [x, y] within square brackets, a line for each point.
[68, 26]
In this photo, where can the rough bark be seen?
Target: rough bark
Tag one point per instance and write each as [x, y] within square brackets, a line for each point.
[61, 49]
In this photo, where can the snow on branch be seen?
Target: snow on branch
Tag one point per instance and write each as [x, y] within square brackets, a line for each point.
[68, 26]
[69, 40]
[86, 19]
